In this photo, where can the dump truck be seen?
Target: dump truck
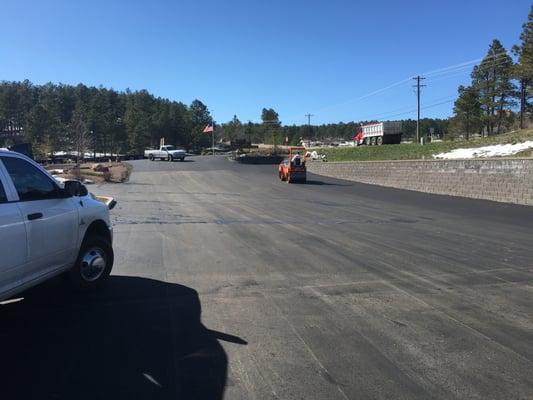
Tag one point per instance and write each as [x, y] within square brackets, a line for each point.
[293, 168]
[379, 133]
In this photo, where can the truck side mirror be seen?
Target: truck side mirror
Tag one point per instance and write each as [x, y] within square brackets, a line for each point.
[74, 188]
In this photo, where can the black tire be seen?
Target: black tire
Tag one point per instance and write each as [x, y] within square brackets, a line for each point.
[170, 158]
[379, 140]
[373, 141]
[182, 159]
[93, 249]
[367, 141]
[151, 157]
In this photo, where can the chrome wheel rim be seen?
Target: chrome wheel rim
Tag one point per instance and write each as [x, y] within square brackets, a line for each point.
[93, 264]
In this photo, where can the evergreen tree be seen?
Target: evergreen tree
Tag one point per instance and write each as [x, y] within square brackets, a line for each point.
[523, 70]
[200, 118]
[36, 128]
[492, 79]
[249, 131]
[138, 121]
[233, 129]
[180, 123]
[271, 124]
[467, 111]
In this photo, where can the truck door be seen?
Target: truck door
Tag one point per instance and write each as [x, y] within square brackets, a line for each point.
[12, 239]
[51, 220]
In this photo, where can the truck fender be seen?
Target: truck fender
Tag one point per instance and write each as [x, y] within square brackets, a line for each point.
[98, 228]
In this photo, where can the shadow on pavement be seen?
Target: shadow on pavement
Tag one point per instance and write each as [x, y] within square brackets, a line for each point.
[320, 183]
[136, 338]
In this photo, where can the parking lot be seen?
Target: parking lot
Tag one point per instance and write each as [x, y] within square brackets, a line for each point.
[229, 283]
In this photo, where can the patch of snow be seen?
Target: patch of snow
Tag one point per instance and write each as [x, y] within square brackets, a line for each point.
[87, 154]
[497, 150]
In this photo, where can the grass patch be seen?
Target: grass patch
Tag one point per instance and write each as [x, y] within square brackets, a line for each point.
[414, 151]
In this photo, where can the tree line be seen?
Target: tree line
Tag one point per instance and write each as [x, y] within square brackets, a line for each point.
[56, 117]
[59, 117]
[271, 130]
[498, 86]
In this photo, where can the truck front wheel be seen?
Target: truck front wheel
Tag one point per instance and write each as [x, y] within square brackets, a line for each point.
[170, 158]
[94, 263]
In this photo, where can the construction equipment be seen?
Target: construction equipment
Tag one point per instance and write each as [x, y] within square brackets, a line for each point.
[379, 133]
[293, 169]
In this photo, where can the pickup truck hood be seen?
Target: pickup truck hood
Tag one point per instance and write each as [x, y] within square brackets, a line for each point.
[177, 152]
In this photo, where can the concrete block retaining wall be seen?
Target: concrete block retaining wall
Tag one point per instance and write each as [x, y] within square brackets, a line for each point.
[504, 180]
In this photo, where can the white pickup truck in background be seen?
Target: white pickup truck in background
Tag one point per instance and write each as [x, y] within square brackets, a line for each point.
[168, 153]
[47, 228]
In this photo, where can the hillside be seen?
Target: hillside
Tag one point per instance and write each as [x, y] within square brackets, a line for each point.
[414, 151]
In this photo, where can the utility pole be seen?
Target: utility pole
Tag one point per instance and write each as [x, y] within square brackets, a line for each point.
[418, 86]
[309, 123]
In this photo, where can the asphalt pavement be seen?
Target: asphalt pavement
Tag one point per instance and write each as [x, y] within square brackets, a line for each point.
[229, 283]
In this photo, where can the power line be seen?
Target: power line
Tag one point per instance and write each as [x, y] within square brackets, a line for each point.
[464, 65]
[408, 110]
[452, 73]
[392, 113]
[438, 104]
[431, 75]
[373, 93]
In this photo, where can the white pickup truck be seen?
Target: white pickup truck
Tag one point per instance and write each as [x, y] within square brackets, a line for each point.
[47, 228]
[168, 153]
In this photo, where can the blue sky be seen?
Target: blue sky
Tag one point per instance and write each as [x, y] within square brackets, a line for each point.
[298, 57]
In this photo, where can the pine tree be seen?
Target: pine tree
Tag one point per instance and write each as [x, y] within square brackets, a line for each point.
[523, 70]
[233, 128]
[200, 117]
[138, 119]
[492, 79]
[467, 110]
[269, 116]
[271, 124]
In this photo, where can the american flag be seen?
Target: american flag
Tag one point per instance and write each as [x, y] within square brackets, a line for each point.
[208, 128]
